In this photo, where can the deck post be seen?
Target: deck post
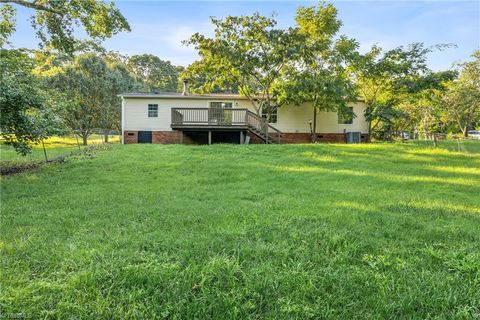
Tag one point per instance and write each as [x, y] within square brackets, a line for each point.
[181, 137]
[241, 137]
[209, 137]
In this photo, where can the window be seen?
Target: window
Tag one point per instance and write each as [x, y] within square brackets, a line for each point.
[221, 104]
[346, 117]
[273, 114]
[220, 112]
[153, 110]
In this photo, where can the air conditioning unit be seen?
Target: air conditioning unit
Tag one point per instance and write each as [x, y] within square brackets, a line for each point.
[354, 137]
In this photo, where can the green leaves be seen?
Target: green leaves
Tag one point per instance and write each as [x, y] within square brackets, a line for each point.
[7, 25]
[155, 73]
[318, 73]
[394, 84]
[56, 21]
[246, 54]
[90, 86]
[25, 117]
[461, 101]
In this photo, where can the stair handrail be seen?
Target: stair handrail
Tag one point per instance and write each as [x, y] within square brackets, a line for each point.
[258, 123]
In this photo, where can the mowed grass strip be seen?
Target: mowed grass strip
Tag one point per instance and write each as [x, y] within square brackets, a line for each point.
[234, 232]
[54, 147]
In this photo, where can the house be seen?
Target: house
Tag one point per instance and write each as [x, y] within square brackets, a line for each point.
[215, 118]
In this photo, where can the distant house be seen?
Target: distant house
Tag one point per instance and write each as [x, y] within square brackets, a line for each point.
[226, 118]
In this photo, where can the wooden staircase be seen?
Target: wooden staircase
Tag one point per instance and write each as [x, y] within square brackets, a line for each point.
[259, 127]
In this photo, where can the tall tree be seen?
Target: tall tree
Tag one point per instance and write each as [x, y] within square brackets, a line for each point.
[25, 117]
[462, 99]
[379, 75]
[319, 74]
[55, 21]
[89, 87]
[203, 78]
[154, 73]
[248, 51]
[419, 102]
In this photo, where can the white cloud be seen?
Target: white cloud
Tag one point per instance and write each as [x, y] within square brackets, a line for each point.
[163, 40]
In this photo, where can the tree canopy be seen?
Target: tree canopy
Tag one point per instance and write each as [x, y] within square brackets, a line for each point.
[318, 74]
[461, 100]
[154, 73]
[248, 51]
[88, 89]
[55, 21]
[26, 118]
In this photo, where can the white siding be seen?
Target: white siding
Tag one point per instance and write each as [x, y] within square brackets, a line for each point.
[293, 118]
[136, 112]
[290, 118]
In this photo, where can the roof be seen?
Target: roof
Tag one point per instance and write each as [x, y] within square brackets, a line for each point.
[177, 95]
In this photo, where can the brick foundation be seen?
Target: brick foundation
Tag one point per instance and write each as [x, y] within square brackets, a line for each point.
[296, 138]
[130, 137]
[166, 137]
[321, 138]
[331, 138]
[254, 139]
[162, 137]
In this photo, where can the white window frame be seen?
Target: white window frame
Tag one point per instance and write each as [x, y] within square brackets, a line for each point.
[148, 110]
[221, 101]
[346, 124]
[276, 115]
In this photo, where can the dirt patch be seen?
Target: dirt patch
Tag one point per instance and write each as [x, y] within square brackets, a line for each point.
[10, 169]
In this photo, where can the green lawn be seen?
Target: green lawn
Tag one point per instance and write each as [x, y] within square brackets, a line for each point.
[380, 231]
[55, 146]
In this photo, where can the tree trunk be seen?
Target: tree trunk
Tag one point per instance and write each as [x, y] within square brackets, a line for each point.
[465, 131]
[314, 133]
[369, 139]
[84, 138]
[105, 134]
[44, 151]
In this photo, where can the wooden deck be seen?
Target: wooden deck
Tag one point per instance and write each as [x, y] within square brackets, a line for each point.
[219, 119]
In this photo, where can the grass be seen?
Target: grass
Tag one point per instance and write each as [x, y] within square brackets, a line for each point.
[376, 231]
[55, 146]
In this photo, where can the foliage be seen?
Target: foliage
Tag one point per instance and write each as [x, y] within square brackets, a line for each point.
[154, 73]
[203, 78]
[7, 25]
[319, 74]
[87, 92]
[419, 102]
[461, 101]
[299, 232]
[55, 21]
[246, 51]
[23, 105]
[382, 75]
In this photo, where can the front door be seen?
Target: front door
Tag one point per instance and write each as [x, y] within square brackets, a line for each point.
[144, 136]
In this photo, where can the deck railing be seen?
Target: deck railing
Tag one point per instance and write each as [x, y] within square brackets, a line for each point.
[202, 117]
[208, 116]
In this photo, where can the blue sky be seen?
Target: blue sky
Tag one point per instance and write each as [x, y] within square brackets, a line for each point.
[158, 27]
